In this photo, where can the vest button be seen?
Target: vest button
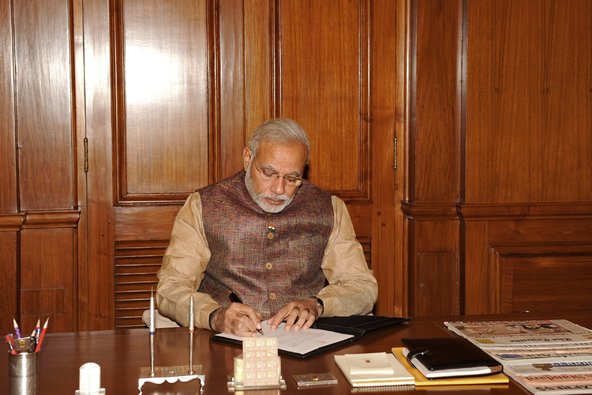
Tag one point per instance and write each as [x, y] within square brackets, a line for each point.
[272, 296]
[270, 235]
[269, 266]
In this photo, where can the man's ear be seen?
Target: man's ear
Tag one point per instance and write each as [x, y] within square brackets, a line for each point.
[246, 157]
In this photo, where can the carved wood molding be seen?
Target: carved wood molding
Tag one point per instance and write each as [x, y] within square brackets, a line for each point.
[39, 219]
[52, 219]
[429, 210]
[525, 210]
[11, 221]
[511, 211]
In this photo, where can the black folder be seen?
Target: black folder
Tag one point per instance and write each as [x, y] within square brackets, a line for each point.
[357, 325]
[449, 357]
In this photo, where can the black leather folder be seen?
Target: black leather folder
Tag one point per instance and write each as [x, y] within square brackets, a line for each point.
[448, 357]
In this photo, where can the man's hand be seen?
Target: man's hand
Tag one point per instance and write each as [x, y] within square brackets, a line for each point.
[299, 314]
[237, 319]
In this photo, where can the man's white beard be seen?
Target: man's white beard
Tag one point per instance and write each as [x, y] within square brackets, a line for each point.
[260, 198]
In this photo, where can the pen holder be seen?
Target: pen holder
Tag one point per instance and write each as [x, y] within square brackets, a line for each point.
[22, 373]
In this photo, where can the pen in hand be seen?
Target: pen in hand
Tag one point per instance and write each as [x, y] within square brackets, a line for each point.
[234, 298]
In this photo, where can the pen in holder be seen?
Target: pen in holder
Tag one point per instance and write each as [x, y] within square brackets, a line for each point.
[171, 374]
[23, 359]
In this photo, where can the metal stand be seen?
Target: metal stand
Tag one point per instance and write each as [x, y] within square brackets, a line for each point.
[171, 374]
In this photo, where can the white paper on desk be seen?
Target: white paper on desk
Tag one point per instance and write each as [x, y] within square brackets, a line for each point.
[300, 342]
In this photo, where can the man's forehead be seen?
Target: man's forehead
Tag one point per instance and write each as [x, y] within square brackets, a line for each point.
[281, 154]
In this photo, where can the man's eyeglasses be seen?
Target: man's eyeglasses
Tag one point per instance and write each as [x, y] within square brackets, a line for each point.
[272, 175]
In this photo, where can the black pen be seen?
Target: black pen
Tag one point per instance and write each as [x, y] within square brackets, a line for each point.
[234, 298]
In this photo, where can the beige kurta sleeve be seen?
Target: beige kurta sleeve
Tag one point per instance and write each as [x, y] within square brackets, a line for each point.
[183, 267]
[352, 288]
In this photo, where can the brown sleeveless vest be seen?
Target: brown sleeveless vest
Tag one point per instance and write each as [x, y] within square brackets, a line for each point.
[267, 259]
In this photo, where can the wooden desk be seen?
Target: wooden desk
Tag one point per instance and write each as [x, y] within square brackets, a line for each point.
[121, 353]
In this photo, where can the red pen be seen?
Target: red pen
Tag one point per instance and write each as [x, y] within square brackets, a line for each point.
[42, 335]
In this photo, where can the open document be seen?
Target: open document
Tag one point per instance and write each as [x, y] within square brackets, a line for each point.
[544, 356]
[301, 344]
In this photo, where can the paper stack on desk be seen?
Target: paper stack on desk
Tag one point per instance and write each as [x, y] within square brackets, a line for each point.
[373, 369]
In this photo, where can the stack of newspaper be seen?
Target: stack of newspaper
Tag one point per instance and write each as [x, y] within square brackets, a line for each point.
[544, 356]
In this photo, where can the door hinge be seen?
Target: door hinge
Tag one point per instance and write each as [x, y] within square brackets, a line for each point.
[86, 154]
[395, 152]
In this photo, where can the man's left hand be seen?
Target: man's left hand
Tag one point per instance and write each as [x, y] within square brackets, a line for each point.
[299, 314]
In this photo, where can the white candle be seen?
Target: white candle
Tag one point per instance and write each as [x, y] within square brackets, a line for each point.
[90, 378]
[151, 312]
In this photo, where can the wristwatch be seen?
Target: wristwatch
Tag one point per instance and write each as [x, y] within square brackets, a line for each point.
[320, 304]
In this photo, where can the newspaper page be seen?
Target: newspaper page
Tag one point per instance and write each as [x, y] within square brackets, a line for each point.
[544, 356]
[503, 333]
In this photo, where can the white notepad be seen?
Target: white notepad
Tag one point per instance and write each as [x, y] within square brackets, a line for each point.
[373, 369]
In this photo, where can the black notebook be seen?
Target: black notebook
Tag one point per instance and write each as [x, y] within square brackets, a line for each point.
[448, 357]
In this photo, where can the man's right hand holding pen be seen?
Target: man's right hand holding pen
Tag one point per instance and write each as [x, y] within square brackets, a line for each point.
[237, 318]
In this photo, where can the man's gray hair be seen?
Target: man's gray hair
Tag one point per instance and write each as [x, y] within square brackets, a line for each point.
[279, 130]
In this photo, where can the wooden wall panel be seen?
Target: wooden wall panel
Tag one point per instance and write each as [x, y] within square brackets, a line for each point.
[509, 259]
[546, 282]
[48, 277]
[8, 193]
[95, 268]
[9, 266]
[324, 83]
[259, 24]
[230, 64]
[434, 147]
[10, 221]
[434, 277]
[162, 90]
[43, 103]
[499, 132]
[528, 101]
[39, 200]
[435, 107]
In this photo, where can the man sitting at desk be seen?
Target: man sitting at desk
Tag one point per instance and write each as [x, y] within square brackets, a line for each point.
[265, 244]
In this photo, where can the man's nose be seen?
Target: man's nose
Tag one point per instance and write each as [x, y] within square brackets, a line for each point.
[278, 185]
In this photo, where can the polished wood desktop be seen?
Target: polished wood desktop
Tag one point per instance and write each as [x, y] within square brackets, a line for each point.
[121, 354]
